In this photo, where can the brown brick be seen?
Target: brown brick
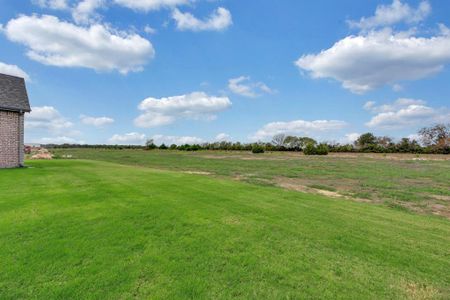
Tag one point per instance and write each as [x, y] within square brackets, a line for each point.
[11, 139]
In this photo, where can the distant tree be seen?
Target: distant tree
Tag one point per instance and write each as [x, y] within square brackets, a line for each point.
[384, 141]
[322, 149]
[173, 147]
[163, 147]
[312, 149]
[437, 136]
[150, 145]
[366, 140]
[256, 149]
[404, 145]
[309, 149]
[407, 145]
[303, 141]
[279, 140]
[292, 142]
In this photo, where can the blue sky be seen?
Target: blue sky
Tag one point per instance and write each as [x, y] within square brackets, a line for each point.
[122, 71]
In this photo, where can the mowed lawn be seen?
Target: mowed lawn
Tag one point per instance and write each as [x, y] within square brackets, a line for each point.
[78, 229]
[417, 183]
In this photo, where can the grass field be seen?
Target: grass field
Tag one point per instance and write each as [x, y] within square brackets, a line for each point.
[80, 229]
[402, 181]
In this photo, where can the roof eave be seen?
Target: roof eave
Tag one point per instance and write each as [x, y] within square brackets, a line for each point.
[19, 110]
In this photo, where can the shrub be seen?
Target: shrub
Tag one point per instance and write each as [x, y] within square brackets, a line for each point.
[257, 149]
[311, 149]
[322, 149]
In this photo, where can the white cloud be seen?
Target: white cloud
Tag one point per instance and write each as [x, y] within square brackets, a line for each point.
[405, 113]
[297, 127]
[13, 70]
[164, 111]
[150, 30]
[151, 119]
[132, 138]
[220, 19]
[84, 11]
[365, 62]
[96, 121]
[58, 140]
[147, 5]
[222, 137]
[397, 12]
[58, 43]
[349, 138]
[48, 118]
[244, 87]
[177, 140]
[52, 4]
[397, 87]
[395, 106]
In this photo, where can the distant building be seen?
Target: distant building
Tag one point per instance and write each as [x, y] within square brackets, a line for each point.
[14, 104]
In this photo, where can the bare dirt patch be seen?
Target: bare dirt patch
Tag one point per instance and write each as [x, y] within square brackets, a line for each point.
[441, 197]
[440, 210]
[304, 185]
[420, 291]
[231, 220]
[197, 173]
[394, 156]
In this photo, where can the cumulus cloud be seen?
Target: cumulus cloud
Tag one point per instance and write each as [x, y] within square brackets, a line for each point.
[177, 140]
[222, 137]
[59, 43]
[298, 127]
[58, 140]
[47, 121]
[379, 55]
[96, 121]
[150, 30]
[219, 20]
[398, 104]
[52, 4]
[151, 119]
[84, 11]
[365, 62]
[397, 12]
[13, 70]
[147, 5]
[48, 118]
[164, 111]
[245, 87]
[350, 138]
[132, 138]
[405, 113]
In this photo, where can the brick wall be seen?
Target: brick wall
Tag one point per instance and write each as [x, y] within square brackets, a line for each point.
[11, 139]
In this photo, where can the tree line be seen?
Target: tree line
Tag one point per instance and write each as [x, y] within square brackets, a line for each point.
[433, 140]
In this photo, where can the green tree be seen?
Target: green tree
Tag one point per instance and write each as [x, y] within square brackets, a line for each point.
[304, 141]
[366, 140]
[291, 142]
[150, 145]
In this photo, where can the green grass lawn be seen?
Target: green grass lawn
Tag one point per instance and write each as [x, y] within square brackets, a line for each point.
[78, 229]
[421, 186]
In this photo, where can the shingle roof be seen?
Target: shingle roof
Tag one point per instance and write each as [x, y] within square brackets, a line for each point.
[13, 94]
